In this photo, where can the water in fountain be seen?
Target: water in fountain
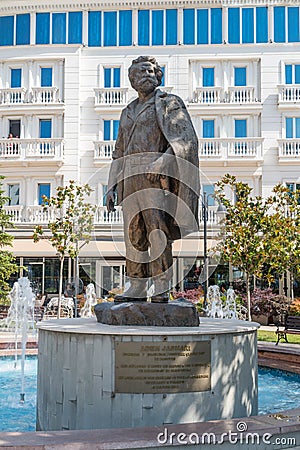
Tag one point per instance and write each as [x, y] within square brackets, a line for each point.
[230, 305]
[91, 300]
[20, 319]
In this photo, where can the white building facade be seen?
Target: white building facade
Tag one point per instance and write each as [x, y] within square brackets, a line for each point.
[63, 85]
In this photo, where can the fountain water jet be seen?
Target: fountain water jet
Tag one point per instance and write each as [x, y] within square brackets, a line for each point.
[20, 319]
[91, 300]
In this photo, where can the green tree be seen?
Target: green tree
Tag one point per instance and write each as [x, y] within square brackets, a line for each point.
[8, 264]
[72, 225]
[244, 240]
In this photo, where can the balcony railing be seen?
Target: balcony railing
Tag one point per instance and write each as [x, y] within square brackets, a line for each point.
[31, 149]
[208, 95]
[12, 96]
[15, 213]
[45, 95]
[217, 95]
[36, 95]
[102, 216]
[234, 148]
[110, 96]
[289, 149]
[103, 150]
[241, 94]
[289, 93]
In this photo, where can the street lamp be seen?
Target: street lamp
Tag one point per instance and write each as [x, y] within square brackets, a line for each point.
[221, 212]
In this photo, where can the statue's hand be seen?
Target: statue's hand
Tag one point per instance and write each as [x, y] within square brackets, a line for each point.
[110, 200]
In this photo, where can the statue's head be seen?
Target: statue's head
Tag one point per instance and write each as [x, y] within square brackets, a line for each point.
[145, 74]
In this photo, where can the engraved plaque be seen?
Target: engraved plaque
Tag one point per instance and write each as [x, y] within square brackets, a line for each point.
[162, 367]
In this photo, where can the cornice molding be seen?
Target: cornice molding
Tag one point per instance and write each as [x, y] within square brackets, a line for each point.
[21, 6]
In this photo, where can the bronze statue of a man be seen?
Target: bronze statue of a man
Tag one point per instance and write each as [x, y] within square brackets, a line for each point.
[155, 173]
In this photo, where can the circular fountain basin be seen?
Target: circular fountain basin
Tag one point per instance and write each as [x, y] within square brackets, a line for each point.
[93, 376]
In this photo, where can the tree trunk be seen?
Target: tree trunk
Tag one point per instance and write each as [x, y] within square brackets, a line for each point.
[292, 285]
[248, 296]
[61, 268]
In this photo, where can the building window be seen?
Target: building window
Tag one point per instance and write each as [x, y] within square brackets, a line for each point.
[43, 189]
[171, 27]
[104, 192]
[208, 76]
[189, 26]
[143, 27]
[240, 76]
[234, 25]
[216, 25]
[46, 76]
[58, 28]
[94, 28]
[208, 128]
[293, 24]
[125, 28]
[292, 127]
[42, 28]
[23, 29]
[292, 74]
[14, 194]
[75, 28]
[110, 130]
[157, 27]
[163, 80]
[45, 128]
[202, 26]
[110, 28]
[294, 187]
[15, 127]
[112, 77]
[247, 25]
[279, 24]
[7, 30]
[262, 24]
[240, 128]
[15, 78]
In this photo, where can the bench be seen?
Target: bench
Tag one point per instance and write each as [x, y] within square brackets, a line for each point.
[292, 326]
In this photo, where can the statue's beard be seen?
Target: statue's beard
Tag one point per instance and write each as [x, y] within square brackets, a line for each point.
[146, 85]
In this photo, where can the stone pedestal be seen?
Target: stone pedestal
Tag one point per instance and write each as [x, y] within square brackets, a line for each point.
[93, 376]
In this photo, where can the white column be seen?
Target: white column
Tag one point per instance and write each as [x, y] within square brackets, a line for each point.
[32, 29]
[85, 28]
[2, 133]
[60, 82]
[225, 24]
[180, 25]
[271, 22]
[135, 27]
[1, 75]
[31, 81]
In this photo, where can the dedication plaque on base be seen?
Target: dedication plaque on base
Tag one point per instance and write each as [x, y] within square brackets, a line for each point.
[162, 367]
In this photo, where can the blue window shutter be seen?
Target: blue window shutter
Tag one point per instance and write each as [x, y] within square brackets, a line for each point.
[43, 189]
[45, 128]
[289, 127]
[23, 29]
[208, 128]
[117, 77]
[143, 27]
[110, 28]
[171, 26]
[157, 27]
[240, 126]
[189, 26]
[15, 78]
[261, 24]
[107, 77]
[115, 129]
[58, 28]
[216, 26]
[75, 28]
[94, 29]
[288, 74]
[208, 76]
[202, 26]
[234, 25]
[7, 30]
[293, 24]
[209, 190]
[42, 28]
[279, 23]
[106, 130]
[247, 25]
[297, 74]
[297, 127]
[46, 76]
[240, 76]
[125, 28]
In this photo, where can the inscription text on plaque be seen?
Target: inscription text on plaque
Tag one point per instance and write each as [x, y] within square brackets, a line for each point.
[162, 367]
